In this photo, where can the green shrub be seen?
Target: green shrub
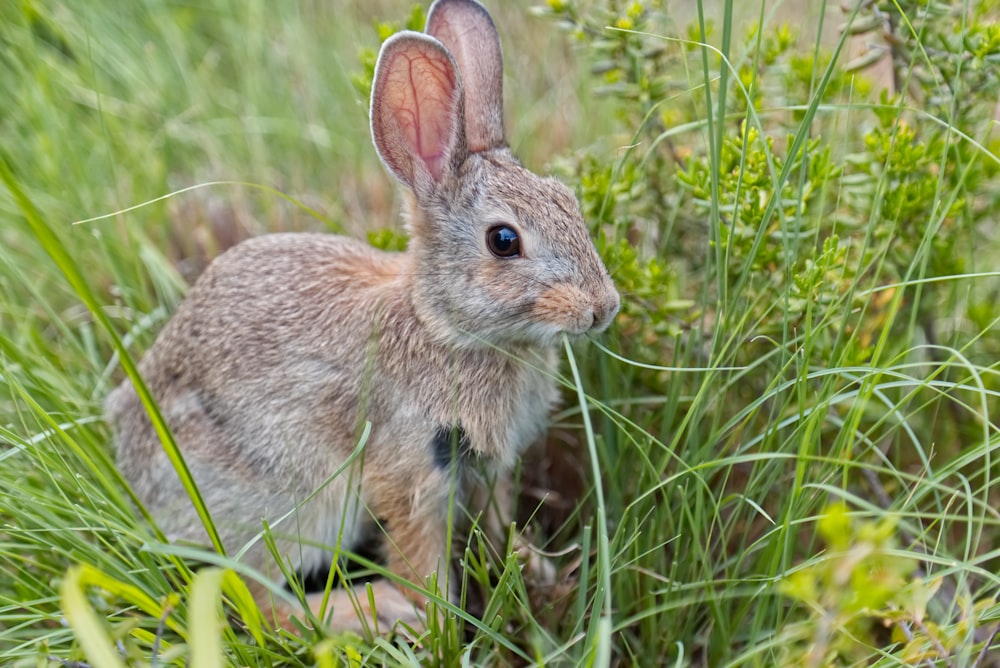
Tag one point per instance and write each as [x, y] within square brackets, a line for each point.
[834, 237]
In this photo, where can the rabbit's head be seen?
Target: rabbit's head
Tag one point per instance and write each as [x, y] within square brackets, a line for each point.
[501, 256]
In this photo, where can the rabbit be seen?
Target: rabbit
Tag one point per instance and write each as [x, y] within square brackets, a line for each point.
[290, 345]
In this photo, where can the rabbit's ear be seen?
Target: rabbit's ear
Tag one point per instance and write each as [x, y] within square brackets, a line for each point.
[466, 29]
[417, 109]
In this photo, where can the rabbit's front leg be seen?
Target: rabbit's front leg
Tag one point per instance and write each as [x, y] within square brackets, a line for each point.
[412, 508]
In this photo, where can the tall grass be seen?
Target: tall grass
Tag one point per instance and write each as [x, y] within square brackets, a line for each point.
[775, 429]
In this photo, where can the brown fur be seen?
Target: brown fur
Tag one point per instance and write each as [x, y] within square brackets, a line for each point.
[289, 343]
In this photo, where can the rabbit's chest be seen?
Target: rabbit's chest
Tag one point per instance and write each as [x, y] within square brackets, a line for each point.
[498, 417]
[488, 405]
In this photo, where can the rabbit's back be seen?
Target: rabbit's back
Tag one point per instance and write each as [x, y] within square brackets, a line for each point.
[259, 375]
[270, 329]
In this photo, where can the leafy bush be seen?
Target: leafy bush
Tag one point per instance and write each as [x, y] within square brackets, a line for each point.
[836, 235]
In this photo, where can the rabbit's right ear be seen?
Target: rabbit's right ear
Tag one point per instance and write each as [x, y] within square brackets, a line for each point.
[417, 110]
[467, 31]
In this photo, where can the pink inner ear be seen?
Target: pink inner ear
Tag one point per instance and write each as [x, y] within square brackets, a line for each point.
[421, 94]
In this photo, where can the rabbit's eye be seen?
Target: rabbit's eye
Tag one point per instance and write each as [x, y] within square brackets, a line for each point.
[503, 241]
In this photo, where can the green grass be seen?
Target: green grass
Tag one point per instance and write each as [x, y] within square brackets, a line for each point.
[784, 452]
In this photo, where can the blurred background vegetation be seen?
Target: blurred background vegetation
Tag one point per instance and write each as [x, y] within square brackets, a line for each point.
[794, 414]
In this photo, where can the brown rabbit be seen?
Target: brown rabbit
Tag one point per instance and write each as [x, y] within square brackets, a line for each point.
[290, 343]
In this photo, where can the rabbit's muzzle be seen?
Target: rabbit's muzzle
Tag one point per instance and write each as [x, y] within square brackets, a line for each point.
[571, 310]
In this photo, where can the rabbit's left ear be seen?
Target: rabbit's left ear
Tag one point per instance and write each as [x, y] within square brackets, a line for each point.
[467, 31]
[416, 110]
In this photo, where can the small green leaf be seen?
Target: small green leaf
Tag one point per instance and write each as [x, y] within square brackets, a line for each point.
[835, 526]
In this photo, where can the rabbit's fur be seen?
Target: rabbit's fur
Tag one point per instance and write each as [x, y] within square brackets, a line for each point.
[289, 343]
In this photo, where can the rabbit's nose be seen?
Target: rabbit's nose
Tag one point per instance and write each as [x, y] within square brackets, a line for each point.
[605, 311]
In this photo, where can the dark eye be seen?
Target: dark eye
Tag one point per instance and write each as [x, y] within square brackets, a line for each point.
[503, 241]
